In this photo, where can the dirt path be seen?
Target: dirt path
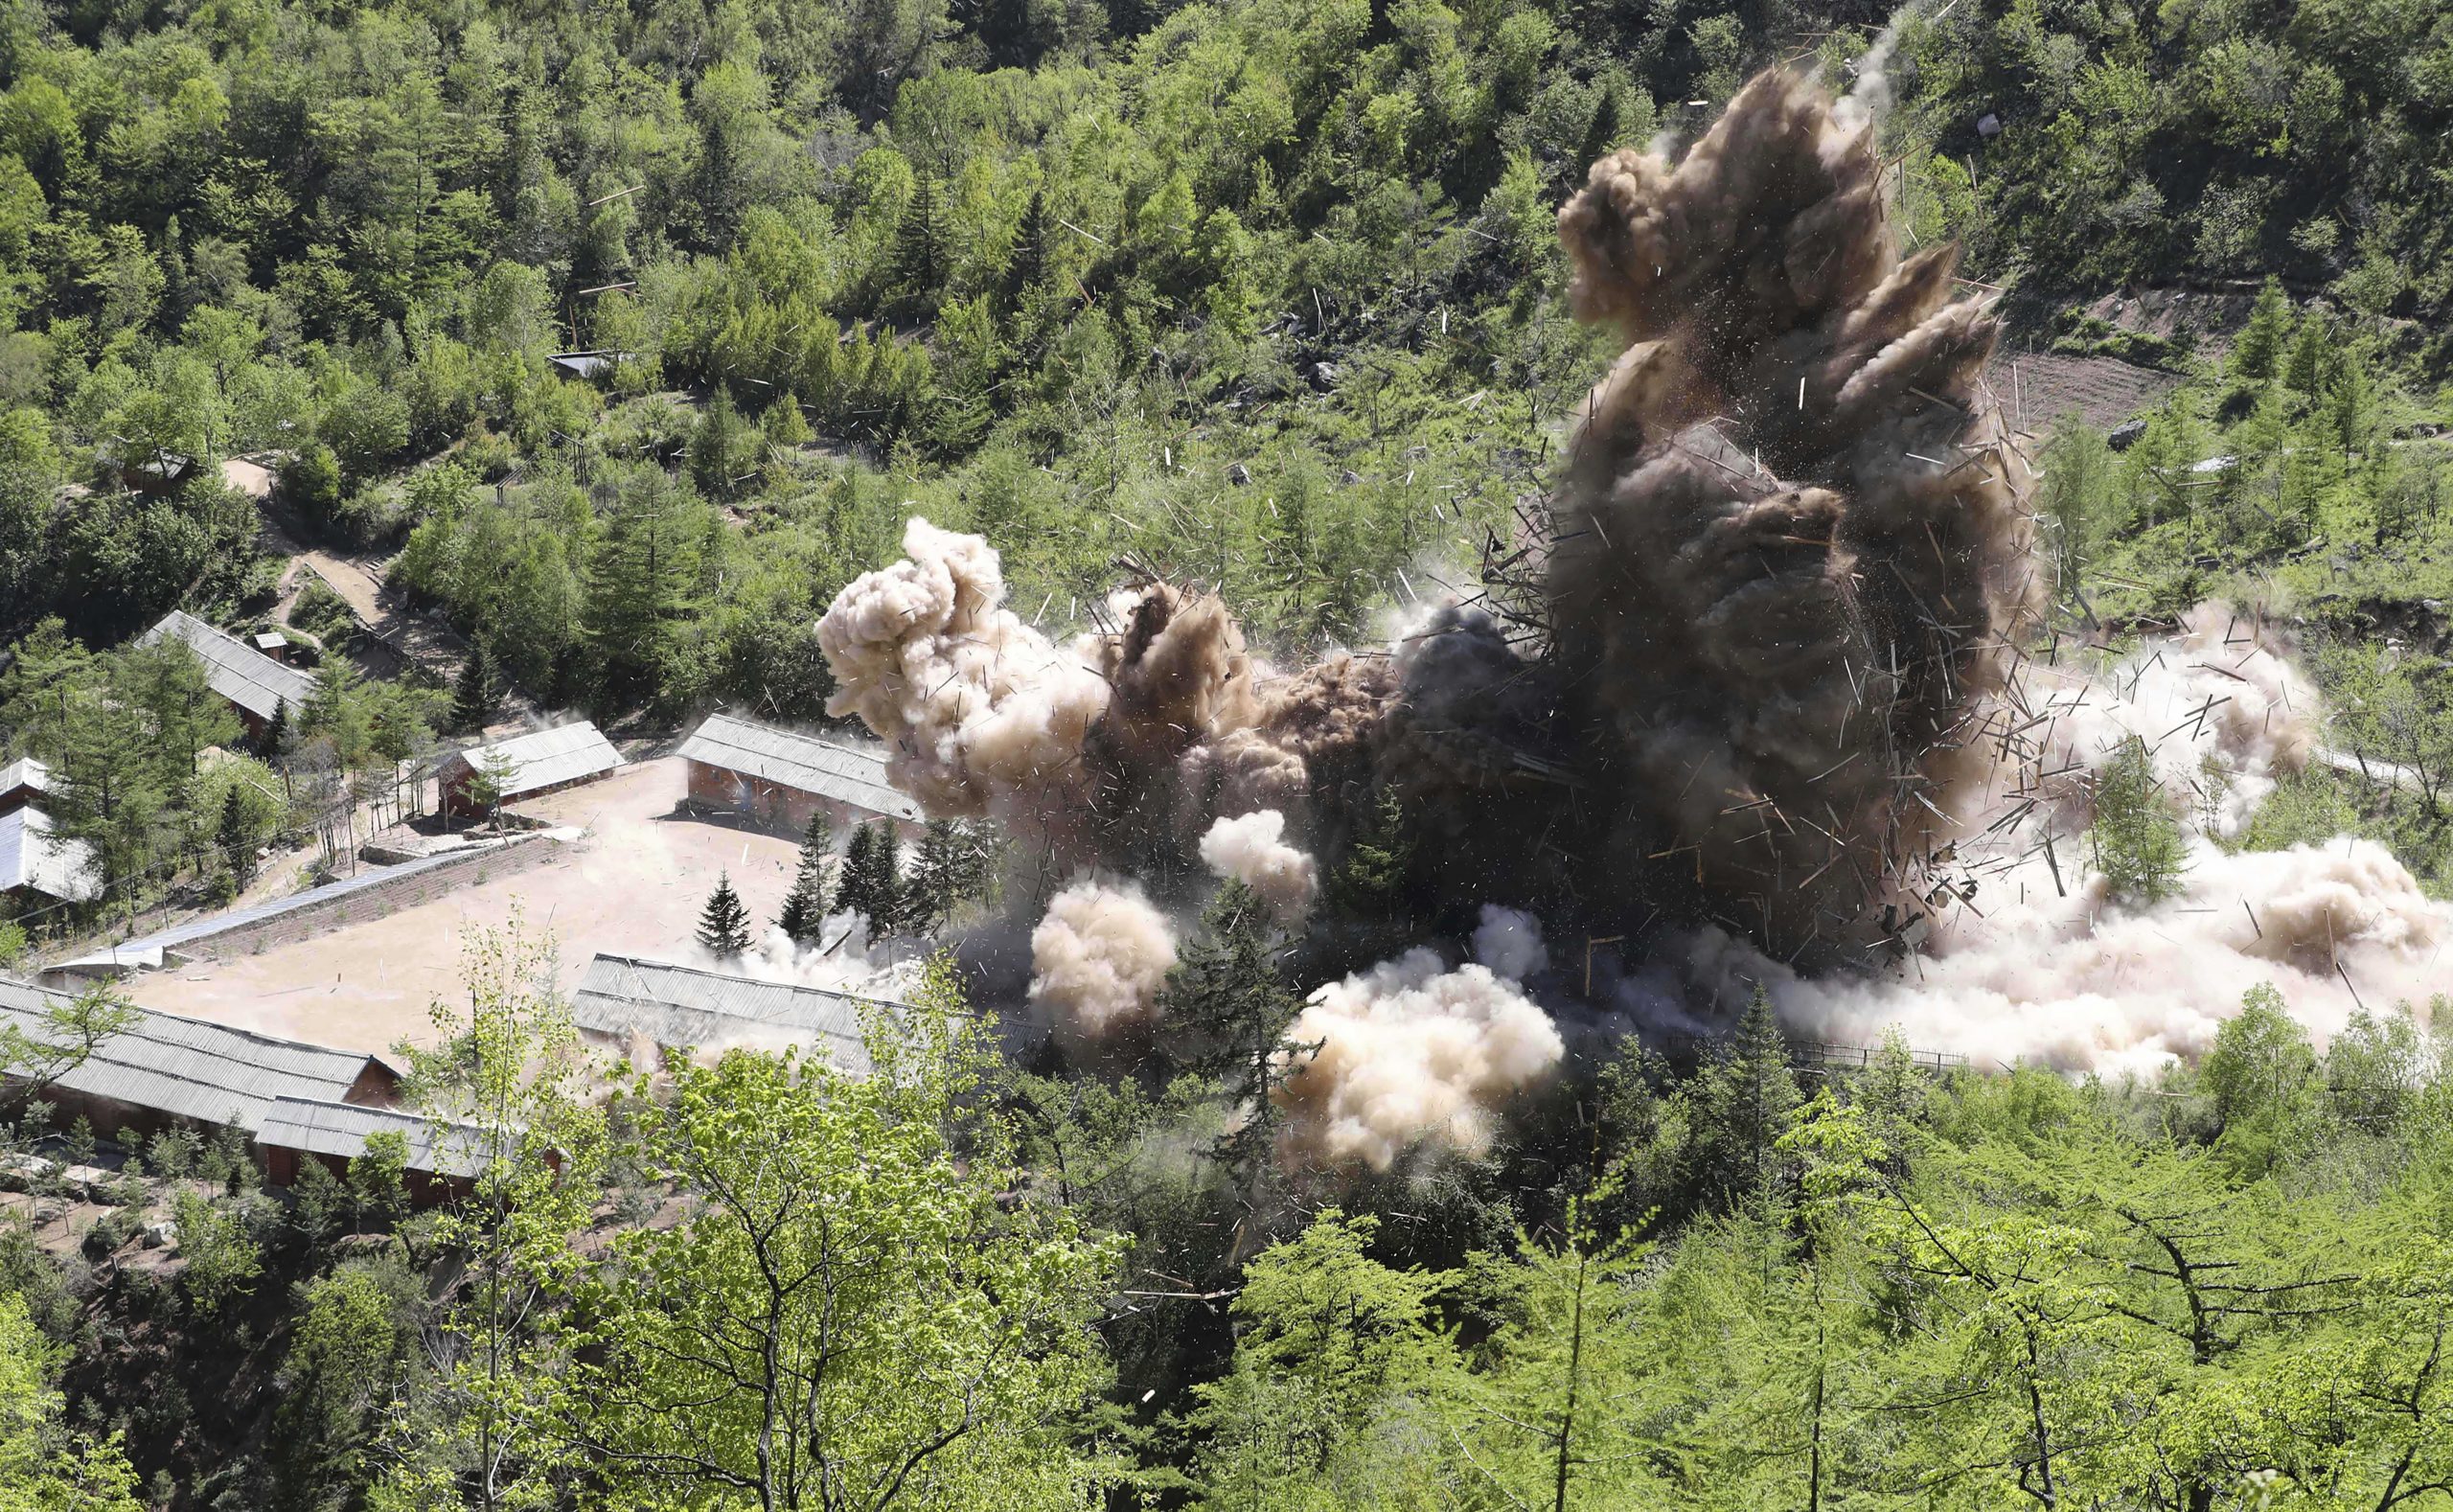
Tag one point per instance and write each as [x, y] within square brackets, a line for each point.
[396, 637]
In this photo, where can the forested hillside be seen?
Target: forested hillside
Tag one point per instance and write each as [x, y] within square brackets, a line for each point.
[617, 340]
[1261, 295]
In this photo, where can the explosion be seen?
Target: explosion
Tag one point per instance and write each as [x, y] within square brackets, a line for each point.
[1789, 568]
[1776, 726]
[1251, 849]
[1411, 1051]
[1100, 955]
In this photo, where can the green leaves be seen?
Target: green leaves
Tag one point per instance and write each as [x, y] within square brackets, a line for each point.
[846, 1314]
[2137, 834]
[45, 1466]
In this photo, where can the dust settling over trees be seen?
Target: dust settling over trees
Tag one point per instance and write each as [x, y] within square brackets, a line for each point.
[1787, 565]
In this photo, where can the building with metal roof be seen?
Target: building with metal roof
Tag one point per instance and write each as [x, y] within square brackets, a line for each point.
[33, 859]
[533, 765]
[782, 776]
[252, 682]
[590, 364]
[441, 1157]
[22, 782]
[624, 999]
[165, 1070]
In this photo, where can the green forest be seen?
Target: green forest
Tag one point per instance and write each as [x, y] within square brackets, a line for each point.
[952, 1284]
[1264, 296]
[1267, 296]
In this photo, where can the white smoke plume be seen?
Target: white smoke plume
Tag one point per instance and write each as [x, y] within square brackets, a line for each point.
[1410, 1053]
[845, 959]
[983, 715]
[1251, 849]
[1869, 94]
[1100, 955]
[1510, 942]
[2077, 985]
[2222, 708]
[2041, 965]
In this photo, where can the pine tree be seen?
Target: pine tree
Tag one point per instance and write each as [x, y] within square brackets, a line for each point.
[870, 883]
[724, 928]
[1371, 882]
[942, 876]
[1741, 1105]
[805, 907]
[107, 790]
[473, 694]
[2257, 354]
[725, 449]
[234, 836]
[643, 581]
[924, 245]
[890, 913]
[276, 729]
[2350, 402]
[2312, 355]
[1601, 133]
[1028, 263]
[2137, 838]
[856, 880]
[1232, 1006]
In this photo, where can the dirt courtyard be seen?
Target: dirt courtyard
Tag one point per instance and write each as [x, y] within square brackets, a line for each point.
[633, 886]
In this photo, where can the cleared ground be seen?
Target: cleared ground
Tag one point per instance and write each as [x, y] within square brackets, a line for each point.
[2039, 388]
[634, 885]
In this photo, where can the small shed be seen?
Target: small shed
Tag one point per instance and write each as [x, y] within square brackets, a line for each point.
[22, 782]
[251, 681]
[781, 776]
[165, 1070]
[532, 766]
[626, 1001]
[444, 1161]
[154, 471]
[589, 365]
[34, 860]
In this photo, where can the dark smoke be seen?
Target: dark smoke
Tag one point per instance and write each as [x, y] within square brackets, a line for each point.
[1792, 553]
[1787, 563]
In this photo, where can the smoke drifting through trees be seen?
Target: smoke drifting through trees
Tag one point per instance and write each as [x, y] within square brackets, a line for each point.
[2047, 967]
[1751, 699]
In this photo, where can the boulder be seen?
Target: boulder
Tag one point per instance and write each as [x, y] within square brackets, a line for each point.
[23, 1172]
[91, 1181]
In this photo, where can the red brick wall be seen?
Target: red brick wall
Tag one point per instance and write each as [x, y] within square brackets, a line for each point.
[783, 809]
[454, 793]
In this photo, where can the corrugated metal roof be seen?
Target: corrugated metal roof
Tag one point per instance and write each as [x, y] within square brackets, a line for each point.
[33, 857]
[237, 672]
[846, 773]
[626, 997]
[340, 1128]
[546, 759]
[24, 777]
[192, 1068]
